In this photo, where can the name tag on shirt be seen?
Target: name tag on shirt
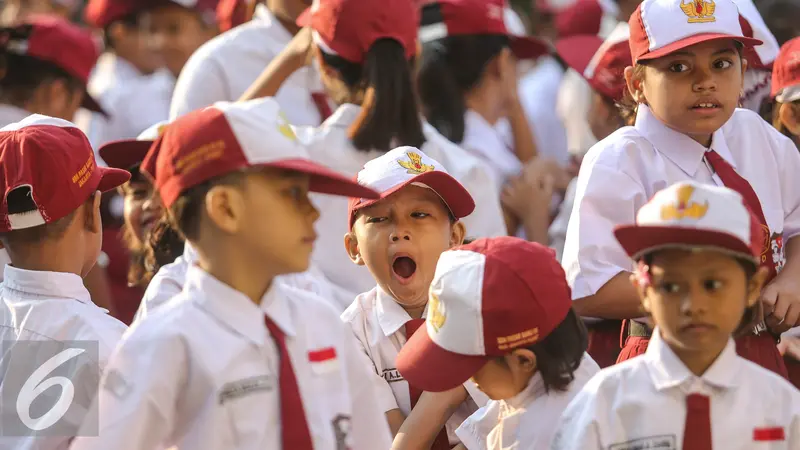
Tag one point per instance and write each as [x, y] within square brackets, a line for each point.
[323, 360]
[392, 375]
[769, 434]
[663, 442]
[244, 387]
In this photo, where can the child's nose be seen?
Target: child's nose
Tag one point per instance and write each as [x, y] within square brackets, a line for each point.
[400, 234]
[704, 80]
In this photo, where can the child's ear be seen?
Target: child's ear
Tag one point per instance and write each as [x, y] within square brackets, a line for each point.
[91, 214]
[351, 245]
[634, 85]
[641, 289]
[789, 117]
[755, 285]
[457, 234]
[522, 358]
[225, 207]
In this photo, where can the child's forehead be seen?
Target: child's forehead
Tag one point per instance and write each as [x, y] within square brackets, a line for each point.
[711, 48]
[690, 259]
[410, 195]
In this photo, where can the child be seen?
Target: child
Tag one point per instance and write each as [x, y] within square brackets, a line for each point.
[399, 239]
[500, 314]
[238, 361]
[365, 52]
[15, 11]
[698, 249]
[685, 86]
[50, 227]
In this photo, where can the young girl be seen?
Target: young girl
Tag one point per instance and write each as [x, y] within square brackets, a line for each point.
[365, 51]
[685, 85]
[698, 250]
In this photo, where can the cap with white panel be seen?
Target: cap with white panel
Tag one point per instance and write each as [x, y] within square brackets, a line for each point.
[486, 299]
[786, 73]
[405, 166]
[228, 137]
[129, 153]
[660, 27]
[51, 162]
[694, 216]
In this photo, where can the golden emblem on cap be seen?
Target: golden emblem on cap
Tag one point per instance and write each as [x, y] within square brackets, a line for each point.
[684, 207]
[161, 128]
[285, 128]
[699, 11]
[436, 314]
[415, 164]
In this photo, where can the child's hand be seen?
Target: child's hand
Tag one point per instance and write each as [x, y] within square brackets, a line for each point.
[508, 76]
[545, 166]
[299, 51]
[529, 194]
[781, 299]
[790, 346]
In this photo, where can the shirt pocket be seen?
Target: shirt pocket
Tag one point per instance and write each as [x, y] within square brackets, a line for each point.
[252, 405]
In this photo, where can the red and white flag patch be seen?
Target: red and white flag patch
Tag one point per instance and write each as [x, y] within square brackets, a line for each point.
[769, 434]
[323, 360]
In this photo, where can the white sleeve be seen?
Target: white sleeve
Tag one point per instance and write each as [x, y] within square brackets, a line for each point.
[487, 219]
[370, 430]
[788, 159]
[578, 428]
[138, 394]
[474, 431]
[200, 84]
[605, 198]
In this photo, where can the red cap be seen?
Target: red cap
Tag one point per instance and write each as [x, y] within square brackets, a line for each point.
[127, 153]
[661, 27]
[470, 17]
[58, 42]
[404, 166]
[486, 299]
[55, 160]
[229, 137]
[581, 17]
[102, 13]
[348, 28]
[786, 72]
[225, 14]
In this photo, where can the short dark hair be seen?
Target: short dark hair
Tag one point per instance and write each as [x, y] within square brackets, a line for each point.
[20, 201]
[389, 113]
[22, 75]
[129, 21]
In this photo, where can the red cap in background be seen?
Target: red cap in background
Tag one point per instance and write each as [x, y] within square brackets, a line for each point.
[786, 72]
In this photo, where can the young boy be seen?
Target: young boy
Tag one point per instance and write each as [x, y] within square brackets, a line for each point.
[697, 249]
[500, 314]
[399, 239]
[50, 226]
[237, 360]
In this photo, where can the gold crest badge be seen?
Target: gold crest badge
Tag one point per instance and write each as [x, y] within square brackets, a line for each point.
[699, 11]
[436, 314]
[415, 164]
[285, 128]
[685, 207]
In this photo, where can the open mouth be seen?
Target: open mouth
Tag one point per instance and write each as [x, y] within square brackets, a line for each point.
[404, 268]
[706, 105]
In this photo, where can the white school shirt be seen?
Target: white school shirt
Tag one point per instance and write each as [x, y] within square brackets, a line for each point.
[134, 101]
[486, 143]
[538, 93]
[170, 279]
[379, 325]
[622, 172]
[329, 145]
[223, 68]
[8, 115]
[50, 306]
[526, 421]
[641, 403]
[202, 373]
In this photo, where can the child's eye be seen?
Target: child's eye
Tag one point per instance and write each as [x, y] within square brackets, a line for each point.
[723, 64]
[669, 288]
[678, 67]
[295, 192]
[712, 285]
[375, 219]
[419, 215]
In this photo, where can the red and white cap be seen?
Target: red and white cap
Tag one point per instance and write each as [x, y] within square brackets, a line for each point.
[693, 215]
[753, 26]
[580, 18]
[348, 28]
[228, 137]
[602, 63]
[59, 42]
[128, 153]
[660, 27]
[486, 299]
[405, 166]
[469, 17]
[54, 160]
[786, 72]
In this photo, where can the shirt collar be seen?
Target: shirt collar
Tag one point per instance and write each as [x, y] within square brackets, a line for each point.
[343, 117]
[10, 114]
[391, 316]
[667, 370]
[46, 284]
[532, 391]
[682, 150]
[235, 309]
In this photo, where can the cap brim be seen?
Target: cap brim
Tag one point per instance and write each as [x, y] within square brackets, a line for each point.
[92, 105]
[527, 47]
[124, 154]
[638, 240]
[326, 181]
[696, 39]
[578, 51]
[111, 178]
[453, 193]
[428, 367]
[304, 19]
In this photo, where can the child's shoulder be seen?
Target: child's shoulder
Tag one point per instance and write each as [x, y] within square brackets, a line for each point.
[619, 149]
[363, 306]
[768, 386]
[746, 125]
[609, 382]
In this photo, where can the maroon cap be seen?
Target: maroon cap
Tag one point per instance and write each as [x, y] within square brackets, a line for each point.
[487, 298]
[127, 153]
[55, 161]
[786, 72]
[601, 63]
[470, 17]
[102, 13]
[348, 28]
[57, 41]
[580, 18]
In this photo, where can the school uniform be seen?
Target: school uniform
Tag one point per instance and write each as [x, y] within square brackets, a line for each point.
[654, 401]
[9, 114]
[538, 93]
[163, 387]
[330, 145]
[381, 326]
[486, 143]
[223, 68]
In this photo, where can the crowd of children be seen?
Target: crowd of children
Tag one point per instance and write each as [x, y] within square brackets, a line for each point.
[399, 224]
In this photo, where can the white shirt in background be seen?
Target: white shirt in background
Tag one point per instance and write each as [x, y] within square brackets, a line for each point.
[486, 143]
[538, 91]
[223, 68]
[203, 374]
[526, 421]
[641, 403]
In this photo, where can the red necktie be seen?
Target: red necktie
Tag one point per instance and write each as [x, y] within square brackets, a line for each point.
[697, 431]
[442, 442]
[734, 181]
[294, 428]
[321, 102]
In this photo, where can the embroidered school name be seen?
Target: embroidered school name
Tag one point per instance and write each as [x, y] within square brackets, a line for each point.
[207, 152]
[392, 375]
[82, 176]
